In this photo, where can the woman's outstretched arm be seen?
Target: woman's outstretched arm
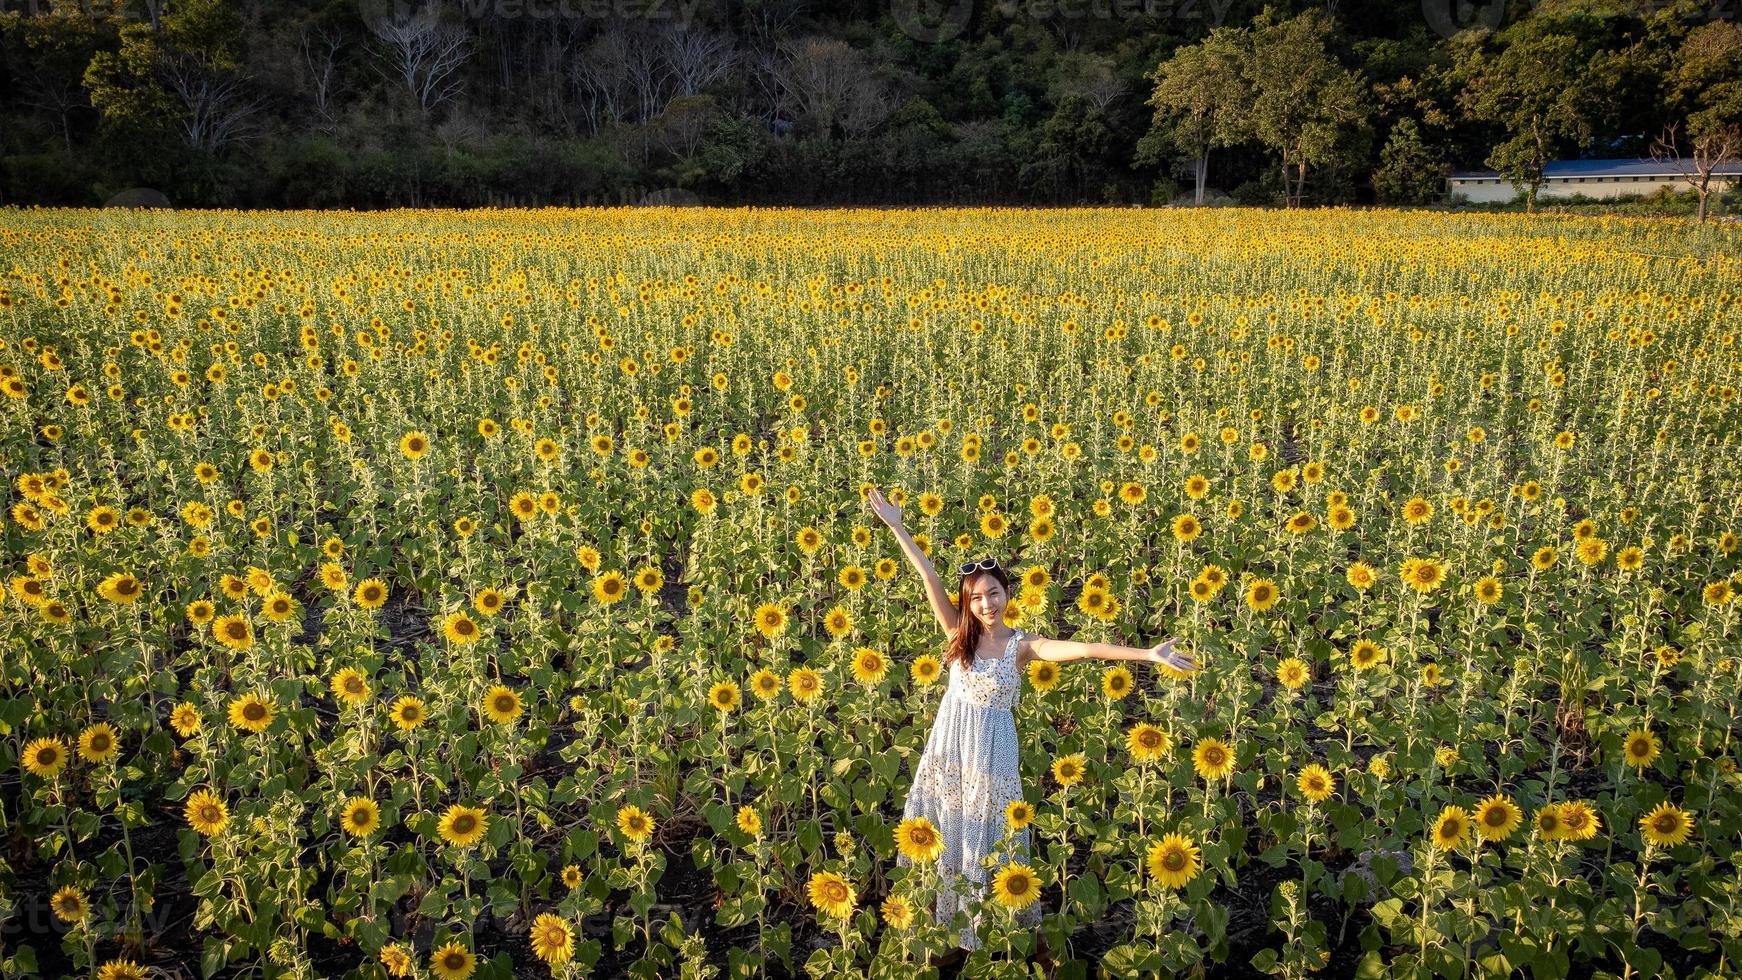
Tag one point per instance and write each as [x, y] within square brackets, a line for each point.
[890, 514]
[1063, 651]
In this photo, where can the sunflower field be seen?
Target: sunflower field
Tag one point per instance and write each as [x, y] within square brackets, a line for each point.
[488, 594]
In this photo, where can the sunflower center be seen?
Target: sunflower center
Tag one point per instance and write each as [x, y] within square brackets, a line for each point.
[47, 757]
[464, 824]
[1174, 860]
[254, 712]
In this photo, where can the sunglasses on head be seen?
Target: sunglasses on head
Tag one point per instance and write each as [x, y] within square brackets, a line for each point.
[983, 565]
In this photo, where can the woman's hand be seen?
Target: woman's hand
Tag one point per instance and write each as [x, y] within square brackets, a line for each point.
[885, 511]
[1168, 652]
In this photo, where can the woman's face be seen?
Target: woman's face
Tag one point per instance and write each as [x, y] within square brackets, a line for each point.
[985, 599]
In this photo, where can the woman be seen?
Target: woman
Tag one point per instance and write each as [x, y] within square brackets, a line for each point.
[968, 774]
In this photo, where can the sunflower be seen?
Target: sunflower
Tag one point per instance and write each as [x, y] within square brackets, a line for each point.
[233, 631]
[770, 620]
[451, 961]
[1548, 822]
[1116, 682]
[1146, 742]
[918, 839]
[1173, 861]
[371, 593]
[361, 816]
[407, 712]
[1316, 783]
[869, 666]
[462, 826]
[1640, 747]
[185, 719]
[1068, 769]
[1497, 817]
[1301, 523]
[897, 912]
[459, 628]
[333, 577]
[251, 713]
[1579, 821]
[121, 970]
[805, 684]
[350, 686]
[724, 696]
[1186, 527]
[1365, 653]
[1666, 825]
[206, 813]
[99, 743]
[572, 877]
[278, 607]
[552, 939]
[765, 684]
[749, 821]
[1422, 574]
[121, 588]
[501, 704]
[1361, 576]
[1212, 758]
[45, 757]
[1417, 510]
[831, 894]
[635, 823]
[1717, 593]
[1016, 886]
[396, 960]
[1451, 829]
[1018, 814]
[1261, 594]
[1043, 675]
[1292, 673]
[488, 602]
[69, 904]
[1488, 590]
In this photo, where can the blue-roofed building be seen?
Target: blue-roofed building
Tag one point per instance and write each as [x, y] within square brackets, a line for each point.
[1594, 178]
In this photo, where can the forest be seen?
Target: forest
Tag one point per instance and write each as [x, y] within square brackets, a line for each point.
[384, 103]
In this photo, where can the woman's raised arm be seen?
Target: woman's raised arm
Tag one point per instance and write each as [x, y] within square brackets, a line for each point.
[890, 515]
[1064, 651]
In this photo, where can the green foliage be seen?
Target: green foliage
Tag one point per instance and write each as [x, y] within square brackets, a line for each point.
[1409, 172]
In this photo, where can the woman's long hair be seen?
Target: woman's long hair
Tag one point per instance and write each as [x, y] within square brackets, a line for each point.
[968, 628]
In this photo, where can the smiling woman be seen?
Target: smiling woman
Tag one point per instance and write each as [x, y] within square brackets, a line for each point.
[967, 783]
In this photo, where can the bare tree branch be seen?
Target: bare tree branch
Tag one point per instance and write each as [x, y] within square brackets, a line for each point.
[424, 55]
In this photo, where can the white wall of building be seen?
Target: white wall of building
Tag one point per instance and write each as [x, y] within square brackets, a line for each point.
[1489, 190]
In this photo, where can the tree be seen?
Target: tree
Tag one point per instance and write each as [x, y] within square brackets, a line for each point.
[834, 86]
[46, 57]
[1302, 99]
[1705, 87]
[1072, 139]
[1409, 172]
[423, 54]
[1551, 79]
[1201, 101]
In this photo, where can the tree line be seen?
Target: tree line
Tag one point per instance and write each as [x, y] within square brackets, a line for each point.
[371, 103]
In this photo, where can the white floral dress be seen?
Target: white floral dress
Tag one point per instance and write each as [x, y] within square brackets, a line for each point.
[966, 777]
